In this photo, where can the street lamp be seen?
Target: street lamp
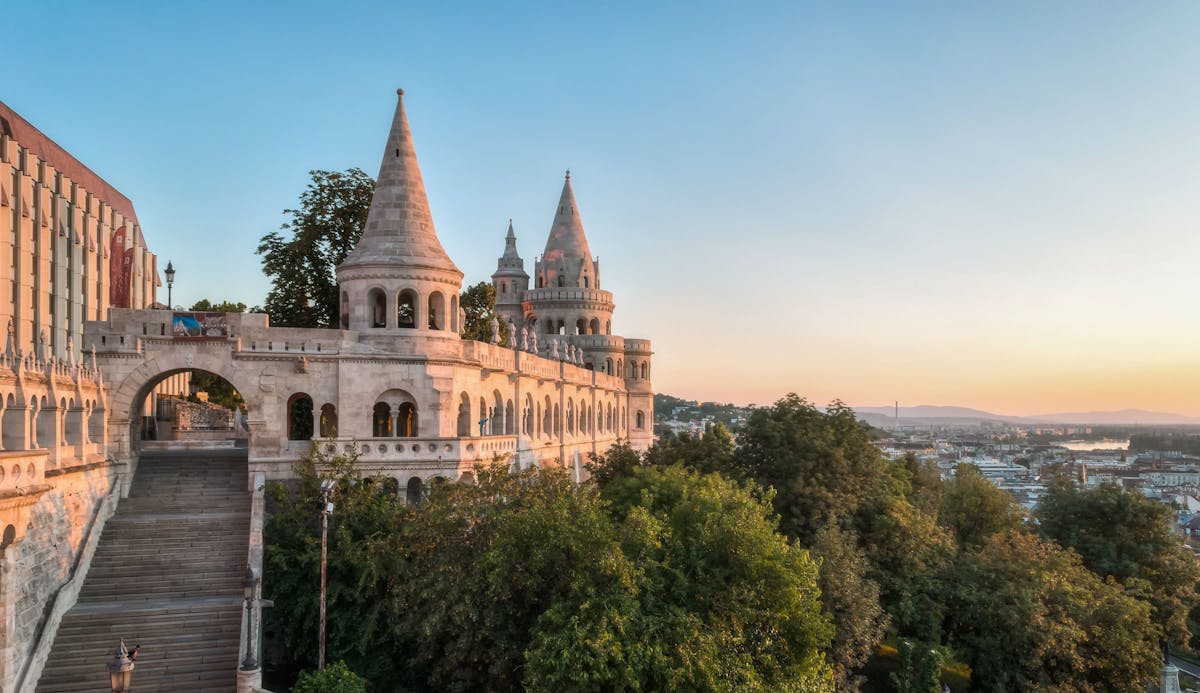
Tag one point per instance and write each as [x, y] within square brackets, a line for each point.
[250, 587]
[120, 669]
[170, 273]
[328, 486]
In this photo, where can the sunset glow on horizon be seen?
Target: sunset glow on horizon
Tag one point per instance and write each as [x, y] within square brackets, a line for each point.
[989, 206]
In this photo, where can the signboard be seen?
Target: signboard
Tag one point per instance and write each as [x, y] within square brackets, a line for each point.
[199, 325]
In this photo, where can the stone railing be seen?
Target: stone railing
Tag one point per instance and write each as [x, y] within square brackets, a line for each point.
[423, 450]
[22, 469]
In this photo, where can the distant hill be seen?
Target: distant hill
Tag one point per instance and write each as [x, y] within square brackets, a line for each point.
[928, 414]
[1125, 416]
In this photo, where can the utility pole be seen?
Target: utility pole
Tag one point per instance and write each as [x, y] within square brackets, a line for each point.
[327, 488]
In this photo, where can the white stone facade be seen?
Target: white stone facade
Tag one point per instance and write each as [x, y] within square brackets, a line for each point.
[397, 383]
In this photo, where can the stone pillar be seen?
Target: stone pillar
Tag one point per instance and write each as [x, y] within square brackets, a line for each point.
[1170, 679]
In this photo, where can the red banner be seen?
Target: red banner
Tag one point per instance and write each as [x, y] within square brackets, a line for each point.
[118, 285]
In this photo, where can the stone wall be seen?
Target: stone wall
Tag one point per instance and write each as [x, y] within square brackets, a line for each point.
[202, 416]
[40, 576]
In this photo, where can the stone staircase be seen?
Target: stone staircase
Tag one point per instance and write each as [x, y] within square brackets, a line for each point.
[167, 575]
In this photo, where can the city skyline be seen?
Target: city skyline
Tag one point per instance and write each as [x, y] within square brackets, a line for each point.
[991, 207]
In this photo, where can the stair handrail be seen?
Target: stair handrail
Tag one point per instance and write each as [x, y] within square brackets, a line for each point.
[48, 610]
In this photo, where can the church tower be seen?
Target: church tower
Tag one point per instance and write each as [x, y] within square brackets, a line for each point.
[568, 299]
[399, 277]
[511, 282]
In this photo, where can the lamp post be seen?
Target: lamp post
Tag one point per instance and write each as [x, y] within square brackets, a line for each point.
[250, 587]
[170, 273]
[328, 486]
[120, 669]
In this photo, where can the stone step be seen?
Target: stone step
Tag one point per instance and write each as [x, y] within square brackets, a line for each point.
[167, 574]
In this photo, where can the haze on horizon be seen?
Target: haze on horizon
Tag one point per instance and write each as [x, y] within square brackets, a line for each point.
[991, 206]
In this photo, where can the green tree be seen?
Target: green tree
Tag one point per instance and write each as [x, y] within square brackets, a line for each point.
[822, 465]
[300, 259]
[223, 307]
[920, 668]
[1029, 616]
[619, 461]
[1129, 537]
[973, 508]
[727, 602]
[337, 678]
[852, 600]
[362, 564]
[711, 451]
[478, 303]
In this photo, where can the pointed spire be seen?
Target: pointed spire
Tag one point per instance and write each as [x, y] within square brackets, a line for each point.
[567, 248]
[399, 229]
[510, 260]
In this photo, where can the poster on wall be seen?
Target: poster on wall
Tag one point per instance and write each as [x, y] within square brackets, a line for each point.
[195, 325]
[118, 284]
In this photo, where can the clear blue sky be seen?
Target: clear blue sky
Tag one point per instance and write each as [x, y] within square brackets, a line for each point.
[983, 204]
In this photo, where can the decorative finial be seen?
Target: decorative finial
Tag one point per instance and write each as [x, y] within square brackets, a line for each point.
[399, 92]
[568, 174]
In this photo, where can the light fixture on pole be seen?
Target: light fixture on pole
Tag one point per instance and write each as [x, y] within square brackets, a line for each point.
[328, 486]
[250, 587]
[120, 669]
[170, 274]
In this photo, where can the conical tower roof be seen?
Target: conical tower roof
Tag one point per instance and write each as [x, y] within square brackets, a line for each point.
[510, 260]
[399, 230]
[567, 240]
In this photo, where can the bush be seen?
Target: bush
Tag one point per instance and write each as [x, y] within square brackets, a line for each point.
[337, 678]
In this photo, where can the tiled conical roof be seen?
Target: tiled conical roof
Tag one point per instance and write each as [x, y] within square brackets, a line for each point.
[399, 228]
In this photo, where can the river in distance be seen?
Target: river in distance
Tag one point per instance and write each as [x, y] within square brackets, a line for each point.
[1089, 445]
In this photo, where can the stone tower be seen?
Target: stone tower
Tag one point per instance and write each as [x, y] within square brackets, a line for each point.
[568, 299]
[399, 277]
[511, 282]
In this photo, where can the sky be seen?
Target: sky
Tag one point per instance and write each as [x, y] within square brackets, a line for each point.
[979, 204]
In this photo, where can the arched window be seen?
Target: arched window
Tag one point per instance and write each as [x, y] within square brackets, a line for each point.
[328, 421]
[608, 366]
[594, 326]
[620, 368]
[510, 424]
[413, 493]
[464, 416]
[345, 311]
[561, 281]
[503, 287]
[527, 416]
[541, 282]
[406, 421]
[570, 417]
[645, 370]
[608, 327]
[300, 417]
[437, 311]
[585, 281]
[581, 326]
[454, 326]
[557, 421]
[498, 414]
[377, 302]
[561, 329]
[641, 420]
[381, 420]
[547, 422]
[406, 309]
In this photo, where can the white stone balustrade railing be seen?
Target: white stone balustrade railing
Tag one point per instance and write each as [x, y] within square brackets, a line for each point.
[22, 469]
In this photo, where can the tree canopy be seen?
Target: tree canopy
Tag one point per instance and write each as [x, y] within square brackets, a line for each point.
[301, 257]
[478, 302]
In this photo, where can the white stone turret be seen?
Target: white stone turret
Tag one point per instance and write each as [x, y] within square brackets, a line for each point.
[399, 276]
[568, 299]
[510, 281]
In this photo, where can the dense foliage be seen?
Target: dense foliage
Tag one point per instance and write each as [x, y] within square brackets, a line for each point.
[664, 580]
[783, 559]
[336, 678]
